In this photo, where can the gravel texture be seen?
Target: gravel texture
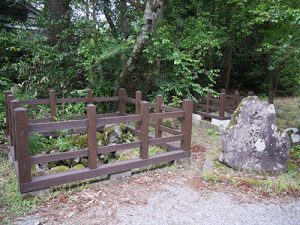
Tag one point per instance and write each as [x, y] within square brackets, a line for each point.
[182, 205]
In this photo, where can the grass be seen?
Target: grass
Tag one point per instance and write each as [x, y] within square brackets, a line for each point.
[287, 112]
[11, 201]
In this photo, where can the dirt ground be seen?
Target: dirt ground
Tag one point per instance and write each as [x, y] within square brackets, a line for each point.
[169, 195]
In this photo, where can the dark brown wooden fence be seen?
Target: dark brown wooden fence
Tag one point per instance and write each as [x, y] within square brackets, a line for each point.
[219, 107]
[19, 128]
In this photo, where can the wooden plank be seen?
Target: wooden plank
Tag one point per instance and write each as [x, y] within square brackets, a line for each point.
[89, 96]
[118, 147]
[163, 140]
[164, 115]
[186, 126]
[222, 105]
[138, 99]
[166, 129]
[130, 100]
[169, 109]
[22, 145]
[52, 99]
[39, 120]
[50, 126]
[170, 130]
[10, 97]
[122, 103]
[104, 169]
[208, 115]
[59, 156]
[159, 102]
[213, 99]
[71, 100]
[35, 102]
[91, 134]
[14, 104]
[118, 119]
[144, 127]
[7, 105]
[106, 99]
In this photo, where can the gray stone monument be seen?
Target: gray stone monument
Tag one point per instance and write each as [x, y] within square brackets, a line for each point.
[251, 140]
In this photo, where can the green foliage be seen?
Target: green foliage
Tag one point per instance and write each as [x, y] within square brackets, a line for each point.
[38, 144]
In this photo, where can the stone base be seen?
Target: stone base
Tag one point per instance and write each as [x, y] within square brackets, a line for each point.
[183, 161]
[38, 193]
[222, 124]
[120, 176]
[202, 124]
[196, 119]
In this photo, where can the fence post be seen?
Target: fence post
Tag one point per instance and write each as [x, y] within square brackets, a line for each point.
[6, 93]
[89, 96]
[186, 126]
[222, 104]
[10, 116]
[250, 93]
[144, 127]
[14, 104]
[22, 146]
[92, 141]
[138, 99]
[159, 102]
[52, 99]
[122, 94]
[236, 98]
[208, 102]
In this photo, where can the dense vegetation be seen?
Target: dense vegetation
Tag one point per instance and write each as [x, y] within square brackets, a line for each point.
[176, 48]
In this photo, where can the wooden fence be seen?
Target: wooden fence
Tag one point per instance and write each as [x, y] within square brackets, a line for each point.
[220, 107]
[19, 128]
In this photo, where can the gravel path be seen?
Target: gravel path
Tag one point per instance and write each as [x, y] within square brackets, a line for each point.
[178, 203]
[181, 205]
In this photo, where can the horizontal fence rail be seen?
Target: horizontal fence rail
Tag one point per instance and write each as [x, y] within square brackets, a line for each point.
[19, 128]
[220, 107]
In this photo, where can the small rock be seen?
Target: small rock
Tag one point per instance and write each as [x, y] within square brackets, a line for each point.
[84, 162]
[294, 134]
[112, 133]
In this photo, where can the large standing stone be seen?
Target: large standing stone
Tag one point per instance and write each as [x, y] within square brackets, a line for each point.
[251, 140]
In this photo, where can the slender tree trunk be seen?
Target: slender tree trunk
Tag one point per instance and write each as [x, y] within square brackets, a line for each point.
[123, 19]
[153, 12]
[227, 66]
[87, 9]
[108, 15]
[59, 13]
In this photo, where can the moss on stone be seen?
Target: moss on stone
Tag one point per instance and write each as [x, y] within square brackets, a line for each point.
[77, 167]
[59, 169]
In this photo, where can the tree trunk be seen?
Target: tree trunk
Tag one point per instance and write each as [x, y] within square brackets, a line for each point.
[123, 19]
[87, 9]
[59, 13]
[153, 12]
[108, 15]
[227, 66]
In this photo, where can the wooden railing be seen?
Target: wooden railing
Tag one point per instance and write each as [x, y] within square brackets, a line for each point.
[20, 127]
[219, 107]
